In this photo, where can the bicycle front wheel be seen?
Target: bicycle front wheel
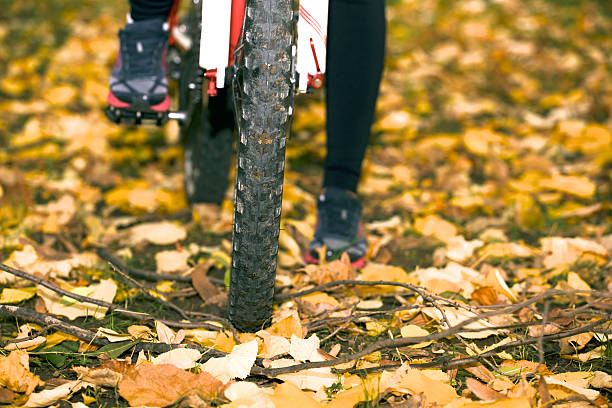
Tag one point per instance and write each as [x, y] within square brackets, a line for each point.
[265, 101]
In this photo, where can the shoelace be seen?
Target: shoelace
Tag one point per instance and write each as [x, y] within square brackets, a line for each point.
[145, 60]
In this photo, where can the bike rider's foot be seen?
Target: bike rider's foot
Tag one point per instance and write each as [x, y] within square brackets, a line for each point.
[139, 79]
[338, 228]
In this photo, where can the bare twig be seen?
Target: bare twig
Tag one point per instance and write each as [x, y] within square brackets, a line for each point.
[84, 299]
[145, 291]
[46, 320]
[140, 273]
[401, 342]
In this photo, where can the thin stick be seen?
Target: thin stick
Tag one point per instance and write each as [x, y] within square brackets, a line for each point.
[401, 342]
[84, 299]
[141, 273]
[46, 320]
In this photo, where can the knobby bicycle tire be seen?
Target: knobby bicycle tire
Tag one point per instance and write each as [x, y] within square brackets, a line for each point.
[208, 134]
[263, 113]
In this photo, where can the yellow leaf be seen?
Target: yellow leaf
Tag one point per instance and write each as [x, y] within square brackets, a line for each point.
[579, 186]
[482, 141]
[318, 302]
[10, 295]
[520, 402]
[287, 327]
[288, 395]
[58, 337]
[434, 226]
[15, 373]
[575, 282]
[565, 251]
[60, 95]
[412, 330]
[591, 139]
[415, 382]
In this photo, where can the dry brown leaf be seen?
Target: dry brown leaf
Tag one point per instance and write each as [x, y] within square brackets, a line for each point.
[339, 269]
[202, 284]
[15, 373]
[486, 296]
[318, 302]
[482, 391]
[161, 385]
[102, 377]
[482, 372]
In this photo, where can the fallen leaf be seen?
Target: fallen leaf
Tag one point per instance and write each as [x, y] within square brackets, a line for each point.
[575, 185]
[482, 391]
[305, 349]
[434, 226]
[172, 261]
[10, 295]
[339, 269]
[568, 250]
[318, 302]
[273, 345]
[15, 373]
[287, 327]
[412, 330]
[64, 306]
[183, 358]
[161, 385]
[101, 377]
[237, 364]
[287, 394]
[456, 316]
[46, 398]
[158, 233]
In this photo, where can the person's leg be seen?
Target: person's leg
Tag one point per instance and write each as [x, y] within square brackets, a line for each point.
[150, 9]
[355, 58]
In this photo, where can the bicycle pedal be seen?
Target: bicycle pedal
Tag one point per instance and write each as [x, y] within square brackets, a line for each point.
[135, 117]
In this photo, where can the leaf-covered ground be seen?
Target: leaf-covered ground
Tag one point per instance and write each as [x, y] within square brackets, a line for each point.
[486, 190]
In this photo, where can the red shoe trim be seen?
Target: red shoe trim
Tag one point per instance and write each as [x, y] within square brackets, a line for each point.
[309, 259]
[163, 106]
[114, 101]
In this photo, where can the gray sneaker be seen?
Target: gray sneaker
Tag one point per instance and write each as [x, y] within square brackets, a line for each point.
[338, 228]
[138, 81]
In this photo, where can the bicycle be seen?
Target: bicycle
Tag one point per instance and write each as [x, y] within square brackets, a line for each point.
[249, 57]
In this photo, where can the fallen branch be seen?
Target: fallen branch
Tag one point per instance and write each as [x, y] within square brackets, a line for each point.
[110, 306]
[406, 341]
[46, 320]
[140, 273]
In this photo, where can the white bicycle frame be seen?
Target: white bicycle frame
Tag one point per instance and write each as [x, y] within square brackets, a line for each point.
[309, 54]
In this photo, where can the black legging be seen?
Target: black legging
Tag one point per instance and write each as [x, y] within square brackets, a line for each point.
[355, 45]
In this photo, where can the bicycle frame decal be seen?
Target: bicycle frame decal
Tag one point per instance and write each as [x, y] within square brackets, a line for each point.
[311, 43]
[215, 38]
[222, 22]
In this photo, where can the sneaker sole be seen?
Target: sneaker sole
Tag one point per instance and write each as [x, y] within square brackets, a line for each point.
[117, 103]
[309, 259]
